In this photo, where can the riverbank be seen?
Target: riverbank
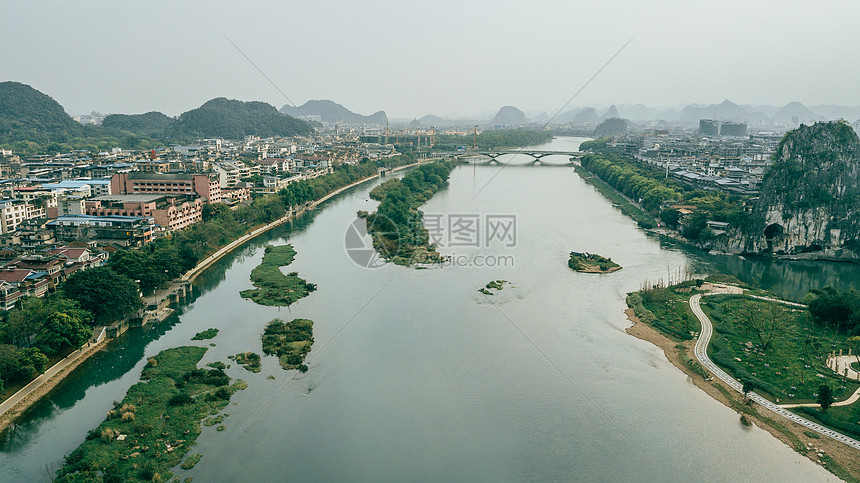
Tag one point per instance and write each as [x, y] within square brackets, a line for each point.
[840, 459]
[221, 252]
[19, 403]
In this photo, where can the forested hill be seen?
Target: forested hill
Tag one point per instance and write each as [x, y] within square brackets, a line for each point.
[232, 119]
[33, 123]
[29, 115]
[153, 124]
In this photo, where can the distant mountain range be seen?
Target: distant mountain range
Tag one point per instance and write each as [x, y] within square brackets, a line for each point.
[31, 121]
[332, 112]
[725, 111]
[688, 115]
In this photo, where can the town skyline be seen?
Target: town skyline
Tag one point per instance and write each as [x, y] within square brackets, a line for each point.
[469, 60]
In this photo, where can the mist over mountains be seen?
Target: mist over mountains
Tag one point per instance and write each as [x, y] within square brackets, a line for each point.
[765, 116]
[332, 112]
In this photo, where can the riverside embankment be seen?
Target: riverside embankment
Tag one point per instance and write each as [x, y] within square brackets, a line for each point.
[18, 403]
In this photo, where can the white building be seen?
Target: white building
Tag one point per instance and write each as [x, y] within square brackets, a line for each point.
[14, 212]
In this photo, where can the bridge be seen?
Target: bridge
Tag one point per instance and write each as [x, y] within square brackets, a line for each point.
[492, 156]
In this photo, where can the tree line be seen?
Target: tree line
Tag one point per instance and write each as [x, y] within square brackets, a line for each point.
[653, 190]
[397, 225]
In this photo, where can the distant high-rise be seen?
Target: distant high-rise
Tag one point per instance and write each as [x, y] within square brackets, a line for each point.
[709, 127]
[733, 129]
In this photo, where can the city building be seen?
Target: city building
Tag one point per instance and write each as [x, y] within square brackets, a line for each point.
[15, 212]
[170, 213]
[125, 231]
[202, 185]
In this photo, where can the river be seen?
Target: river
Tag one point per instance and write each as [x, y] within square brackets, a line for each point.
[414, 375]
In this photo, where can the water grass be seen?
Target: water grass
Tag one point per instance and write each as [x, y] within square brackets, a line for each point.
[154, 426]
[273, 288]
[289, 341]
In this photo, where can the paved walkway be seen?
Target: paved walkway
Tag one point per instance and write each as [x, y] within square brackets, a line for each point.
[702, 355]
[44, 378]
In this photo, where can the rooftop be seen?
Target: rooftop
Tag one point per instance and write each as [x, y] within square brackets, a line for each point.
[135, 198]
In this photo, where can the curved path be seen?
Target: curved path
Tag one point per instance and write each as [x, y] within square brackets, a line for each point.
[702, 355]
[837, 364]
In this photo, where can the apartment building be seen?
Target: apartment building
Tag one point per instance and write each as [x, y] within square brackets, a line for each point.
[170, 213]
[15, 212]
[201, 185]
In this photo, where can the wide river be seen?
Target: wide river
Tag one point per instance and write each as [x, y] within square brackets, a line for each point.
[414, 375]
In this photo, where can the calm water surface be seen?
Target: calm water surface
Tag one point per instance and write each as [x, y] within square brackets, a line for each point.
[414, 375]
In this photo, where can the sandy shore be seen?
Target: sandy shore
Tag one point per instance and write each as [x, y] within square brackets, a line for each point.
[845, 456]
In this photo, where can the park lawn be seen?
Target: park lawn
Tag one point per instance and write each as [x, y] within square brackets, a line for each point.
[845, 419]
[272, 286]
[670, 309]
[158, 421]
[794, 365]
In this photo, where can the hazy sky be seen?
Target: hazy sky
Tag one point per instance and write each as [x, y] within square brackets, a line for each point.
[441, 57]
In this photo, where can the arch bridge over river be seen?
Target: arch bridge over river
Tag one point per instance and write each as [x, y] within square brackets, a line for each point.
[491, 157]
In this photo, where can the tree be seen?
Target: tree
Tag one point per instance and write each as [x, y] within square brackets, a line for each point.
[825, 396]
[138, 265]
[765, 321]
[747, 389]
[670, 217]
[61, 330]
[841, 310]
[107, 294]
[854, 344]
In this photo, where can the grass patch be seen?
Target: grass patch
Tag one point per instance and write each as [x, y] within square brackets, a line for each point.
[213, 420]
[249, 360]
[845, 419]
[272, 286]
[836, 469]
[290, 341]
[191, 461]
[206, 334]
[666, 309]
[793, 364]
[155, 424]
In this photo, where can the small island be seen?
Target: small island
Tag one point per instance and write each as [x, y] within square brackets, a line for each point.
[290, 341]
[591, 263]
[272, 286]
[207, 334]
[493, 285]
[248, 360]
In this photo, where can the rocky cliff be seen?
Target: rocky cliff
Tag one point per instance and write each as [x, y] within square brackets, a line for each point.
[810, 202]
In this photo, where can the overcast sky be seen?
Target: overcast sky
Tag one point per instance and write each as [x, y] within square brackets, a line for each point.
[441, 57]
